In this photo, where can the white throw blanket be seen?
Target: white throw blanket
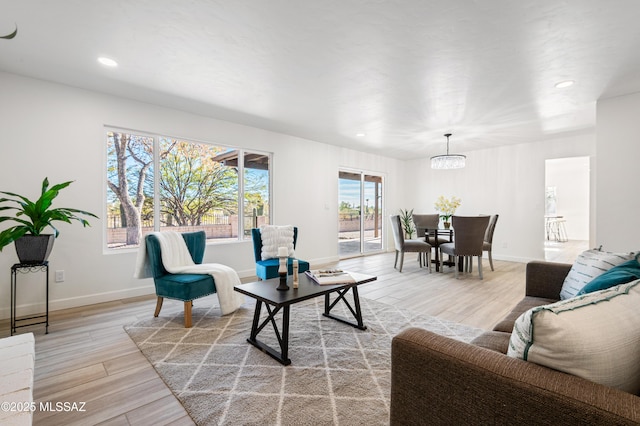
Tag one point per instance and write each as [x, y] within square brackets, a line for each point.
[177, 260]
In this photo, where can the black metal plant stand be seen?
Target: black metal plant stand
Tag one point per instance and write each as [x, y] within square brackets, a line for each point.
[26, 268]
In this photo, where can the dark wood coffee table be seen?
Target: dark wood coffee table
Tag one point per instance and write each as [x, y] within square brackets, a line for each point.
[265, 293]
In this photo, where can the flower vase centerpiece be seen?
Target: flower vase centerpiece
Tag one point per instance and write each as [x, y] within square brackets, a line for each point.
[447, 208]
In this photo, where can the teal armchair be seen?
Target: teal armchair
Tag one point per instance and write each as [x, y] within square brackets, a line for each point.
[266, 269]
[185, 287]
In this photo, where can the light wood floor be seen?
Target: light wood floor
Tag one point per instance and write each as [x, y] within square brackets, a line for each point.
[88, 357]
[565, 252]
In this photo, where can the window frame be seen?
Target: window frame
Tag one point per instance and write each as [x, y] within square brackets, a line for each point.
[240, 170]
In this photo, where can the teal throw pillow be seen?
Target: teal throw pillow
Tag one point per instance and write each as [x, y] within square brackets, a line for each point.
[621, 274]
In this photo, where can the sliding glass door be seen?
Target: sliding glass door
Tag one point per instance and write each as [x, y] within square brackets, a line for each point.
[359, 213]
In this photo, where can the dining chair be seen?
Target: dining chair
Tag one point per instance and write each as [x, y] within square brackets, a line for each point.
[488, 238]
[429, 222]
[403, 246]
[424, 222]
[468, 241]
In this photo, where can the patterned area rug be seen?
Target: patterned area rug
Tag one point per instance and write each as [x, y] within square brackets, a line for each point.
[338, 375]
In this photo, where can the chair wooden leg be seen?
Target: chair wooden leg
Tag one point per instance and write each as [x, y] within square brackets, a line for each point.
[479, 266]
[395, 263]
[187, 313]
[429, 260]
[490, 260]
[158, 306]
[401, 260]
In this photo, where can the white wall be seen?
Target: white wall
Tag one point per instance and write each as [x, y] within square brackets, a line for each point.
[570, 177]
[507, 180]
[57, 131]
[617, 165]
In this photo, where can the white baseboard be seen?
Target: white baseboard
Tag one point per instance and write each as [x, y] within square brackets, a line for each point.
[249, 273]
[74, 302]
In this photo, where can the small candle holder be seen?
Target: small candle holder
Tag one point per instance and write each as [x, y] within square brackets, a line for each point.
[283, 255]
[283, 283]
[295, 273]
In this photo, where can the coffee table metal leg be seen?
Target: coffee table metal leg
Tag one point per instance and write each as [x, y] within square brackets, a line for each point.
[356, 300]
[256, 320]
[283, 340]
[357, 313]
[284, 344]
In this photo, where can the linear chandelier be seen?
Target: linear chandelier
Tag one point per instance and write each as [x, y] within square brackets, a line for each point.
[448, 161]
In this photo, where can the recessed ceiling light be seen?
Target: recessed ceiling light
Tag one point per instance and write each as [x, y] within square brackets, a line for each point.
[564, 84]
[107, 62]
[361, 135]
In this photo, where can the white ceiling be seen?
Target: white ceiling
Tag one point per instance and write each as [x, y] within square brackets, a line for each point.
[404, 72]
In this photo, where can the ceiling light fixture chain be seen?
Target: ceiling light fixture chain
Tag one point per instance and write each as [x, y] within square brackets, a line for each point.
[448, 161]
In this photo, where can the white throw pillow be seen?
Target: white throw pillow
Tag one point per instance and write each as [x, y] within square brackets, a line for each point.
[273, 237]
[587, 266]
[595, 336]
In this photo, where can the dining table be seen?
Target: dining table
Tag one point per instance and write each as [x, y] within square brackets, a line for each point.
[435, 233]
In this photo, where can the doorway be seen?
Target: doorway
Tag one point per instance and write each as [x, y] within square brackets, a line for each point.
[567, 198]
[359, 213]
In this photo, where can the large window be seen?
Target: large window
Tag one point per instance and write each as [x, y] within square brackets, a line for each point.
[156, 183]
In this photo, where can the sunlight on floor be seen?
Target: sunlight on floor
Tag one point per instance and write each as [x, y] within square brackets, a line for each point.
[566, 252]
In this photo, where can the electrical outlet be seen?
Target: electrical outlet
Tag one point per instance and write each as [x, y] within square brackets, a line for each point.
[60, 276]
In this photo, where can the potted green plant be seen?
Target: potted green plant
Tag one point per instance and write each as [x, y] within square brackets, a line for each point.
[406, 219]
[32, 244]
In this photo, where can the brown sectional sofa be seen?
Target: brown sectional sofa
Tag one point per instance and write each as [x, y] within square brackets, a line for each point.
[436, 380]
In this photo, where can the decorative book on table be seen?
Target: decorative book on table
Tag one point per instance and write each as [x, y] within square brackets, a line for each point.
[333, 276]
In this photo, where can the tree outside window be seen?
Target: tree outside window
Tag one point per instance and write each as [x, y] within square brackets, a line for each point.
[194, 187]
[130, 183]
[198, 187]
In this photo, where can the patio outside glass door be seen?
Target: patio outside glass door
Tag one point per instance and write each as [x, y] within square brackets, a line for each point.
[359, 213]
